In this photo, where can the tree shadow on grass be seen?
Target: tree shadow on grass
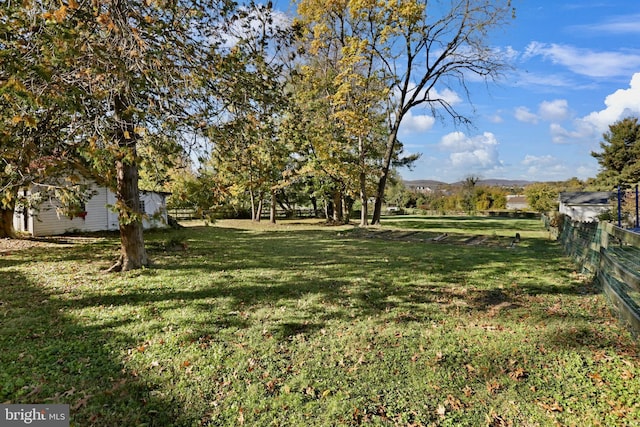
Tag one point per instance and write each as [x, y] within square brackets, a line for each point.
[355, 276]
[49, 357]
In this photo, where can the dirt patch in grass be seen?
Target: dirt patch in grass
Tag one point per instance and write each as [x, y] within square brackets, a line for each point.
[431, 237]
[7, 246]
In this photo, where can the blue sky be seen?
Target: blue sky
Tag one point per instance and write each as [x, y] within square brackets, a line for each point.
[576, 70]
[574, 74]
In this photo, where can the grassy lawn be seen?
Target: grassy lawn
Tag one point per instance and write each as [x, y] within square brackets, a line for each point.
[301, 324]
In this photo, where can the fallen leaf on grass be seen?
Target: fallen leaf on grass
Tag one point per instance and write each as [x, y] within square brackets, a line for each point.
[553, 407]
[468, 391]
[69, 392]
[81, 402]
[241, 416]
[454, 403]
[493, 386]
[627, 375]
[597, 378]
[33, 392]
[518, 374]
[495, 420]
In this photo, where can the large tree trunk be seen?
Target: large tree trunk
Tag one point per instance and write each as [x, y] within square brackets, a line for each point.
[347, 202]
[132, 251]
[6, 223]
[338, 214]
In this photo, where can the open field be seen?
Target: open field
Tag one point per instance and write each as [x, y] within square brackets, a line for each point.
[303, 324]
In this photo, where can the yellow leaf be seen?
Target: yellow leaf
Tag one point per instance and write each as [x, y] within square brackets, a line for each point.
[16, 120]
[127, 135]
[73, 4]
[60, 14]
[30, 121]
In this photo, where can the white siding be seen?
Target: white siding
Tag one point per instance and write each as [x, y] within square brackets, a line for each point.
[155, 208]
[46, 221]
[583, 213]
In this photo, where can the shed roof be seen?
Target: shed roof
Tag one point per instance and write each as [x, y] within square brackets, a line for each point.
[586, 197]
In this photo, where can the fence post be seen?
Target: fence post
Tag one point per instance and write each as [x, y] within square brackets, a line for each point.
[619, 207]
[637, 224]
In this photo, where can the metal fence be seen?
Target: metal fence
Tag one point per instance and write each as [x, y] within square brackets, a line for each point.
[611, 256]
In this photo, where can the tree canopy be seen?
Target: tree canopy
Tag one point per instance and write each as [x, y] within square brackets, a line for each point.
[412, 48]
[620, 156]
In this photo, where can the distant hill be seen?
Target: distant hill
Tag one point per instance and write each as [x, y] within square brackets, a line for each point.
[502, 182]
[433, 184]
[424, 183]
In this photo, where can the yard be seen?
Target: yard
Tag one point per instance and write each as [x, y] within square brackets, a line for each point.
[306, 324]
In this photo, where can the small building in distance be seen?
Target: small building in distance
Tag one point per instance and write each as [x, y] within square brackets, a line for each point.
[585, 206]
[517, 202]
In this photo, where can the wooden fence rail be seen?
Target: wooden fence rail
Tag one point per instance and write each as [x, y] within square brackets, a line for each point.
[611, 256]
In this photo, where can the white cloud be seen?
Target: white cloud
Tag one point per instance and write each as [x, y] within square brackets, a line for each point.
[256, 22]
[471, 153]
[522, 114]
[544, 167]
[585, 61]
[416, 123]
[554, 111]
[447, 95]
[626, 24]
[621, 103]
[582, 131]
[496, 118]
[618, 105]
[550, 168]
[547, 81]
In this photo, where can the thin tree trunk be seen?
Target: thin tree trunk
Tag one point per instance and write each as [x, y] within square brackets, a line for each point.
[253, 204]
[6, 223]
[364, 213]
[328, 209]
[259, 209]
[272, 212]
[388, 157]
[314, 204]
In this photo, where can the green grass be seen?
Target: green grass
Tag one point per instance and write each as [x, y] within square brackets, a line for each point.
[300, 324]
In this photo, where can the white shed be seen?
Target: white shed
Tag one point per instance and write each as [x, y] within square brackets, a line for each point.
[46, 219]
[585, 206]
